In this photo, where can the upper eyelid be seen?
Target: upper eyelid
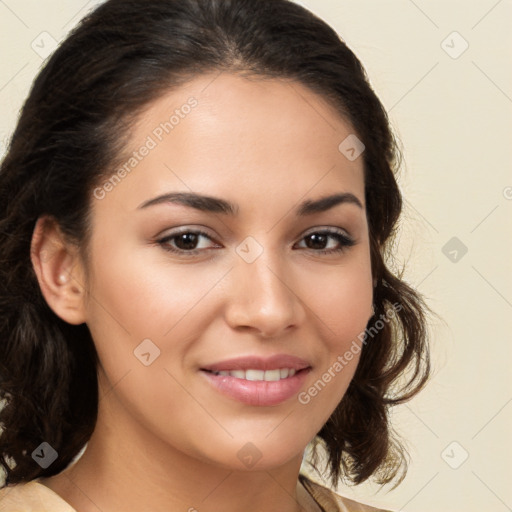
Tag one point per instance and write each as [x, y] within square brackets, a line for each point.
[330, 229]
[179, 231]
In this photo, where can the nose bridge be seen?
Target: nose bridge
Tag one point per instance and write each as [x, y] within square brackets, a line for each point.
[263, 296]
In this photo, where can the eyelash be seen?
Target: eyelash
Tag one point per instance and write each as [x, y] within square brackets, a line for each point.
[345, 242]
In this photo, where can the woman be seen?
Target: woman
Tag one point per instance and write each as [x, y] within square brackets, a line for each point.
[196, 207]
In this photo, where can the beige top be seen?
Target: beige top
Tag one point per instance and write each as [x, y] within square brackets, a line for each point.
[36, 497]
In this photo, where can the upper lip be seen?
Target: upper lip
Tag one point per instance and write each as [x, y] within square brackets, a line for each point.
[258, 363]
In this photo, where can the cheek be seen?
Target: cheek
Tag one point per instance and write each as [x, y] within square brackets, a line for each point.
[141, 299]
[342, 300]
[343, 307]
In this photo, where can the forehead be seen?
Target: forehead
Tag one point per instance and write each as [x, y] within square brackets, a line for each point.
[228, 135]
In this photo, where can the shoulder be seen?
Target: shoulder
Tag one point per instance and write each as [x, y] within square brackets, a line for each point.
[329, 501]
[31, 497]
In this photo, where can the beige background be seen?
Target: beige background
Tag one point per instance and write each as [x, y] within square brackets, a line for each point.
[452, 110]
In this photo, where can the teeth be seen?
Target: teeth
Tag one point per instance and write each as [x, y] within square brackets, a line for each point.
[254, 375]
[272, 375]
[259, 375]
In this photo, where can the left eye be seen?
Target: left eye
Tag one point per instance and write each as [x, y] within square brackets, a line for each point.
[188, 242]
[321, 238]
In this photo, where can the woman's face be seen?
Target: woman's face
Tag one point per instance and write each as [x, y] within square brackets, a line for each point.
[182, 289]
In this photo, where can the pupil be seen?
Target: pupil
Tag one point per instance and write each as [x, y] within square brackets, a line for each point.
[187, 241]
[317, 239]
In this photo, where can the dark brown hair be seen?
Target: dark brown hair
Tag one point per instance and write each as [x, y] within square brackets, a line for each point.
[70, 134]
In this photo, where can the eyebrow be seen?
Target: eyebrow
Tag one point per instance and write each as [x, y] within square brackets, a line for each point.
[216, 205]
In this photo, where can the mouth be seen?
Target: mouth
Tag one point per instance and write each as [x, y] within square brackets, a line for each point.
[258, 381]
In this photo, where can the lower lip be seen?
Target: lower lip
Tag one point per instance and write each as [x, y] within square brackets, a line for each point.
[260, 393]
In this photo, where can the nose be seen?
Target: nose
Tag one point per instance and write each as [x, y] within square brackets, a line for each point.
[264, 297]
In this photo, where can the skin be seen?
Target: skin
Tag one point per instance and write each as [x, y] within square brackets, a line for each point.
[165, 439]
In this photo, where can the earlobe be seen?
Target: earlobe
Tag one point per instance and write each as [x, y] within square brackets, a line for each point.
[58, 270]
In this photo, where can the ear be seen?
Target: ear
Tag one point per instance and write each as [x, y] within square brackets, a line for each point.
[59, 271]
